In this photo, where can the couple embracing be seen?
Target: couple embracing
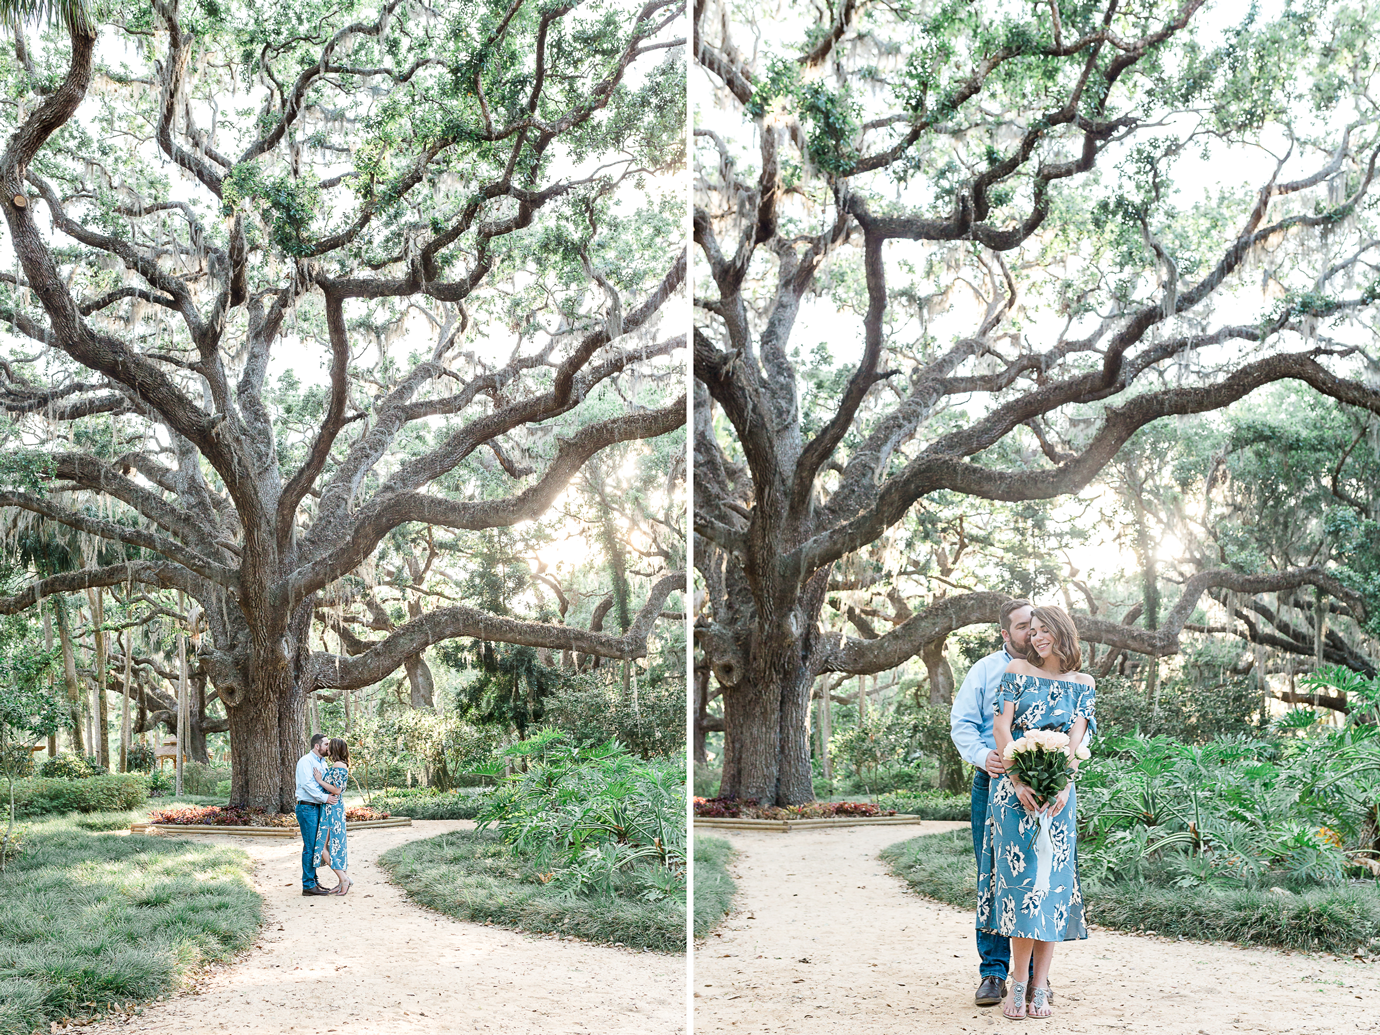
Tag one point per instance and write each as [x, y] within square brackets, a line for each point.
[321, 813]
[1026, 849]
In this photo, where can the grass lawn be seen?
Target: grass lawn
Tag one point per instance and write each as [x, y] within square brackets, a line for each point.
[714, 888]
[92, 921]
[1339, 919]
[471, 875]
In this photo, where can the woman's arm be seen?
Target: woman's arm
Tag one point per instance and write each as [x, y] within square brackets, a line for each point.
[1076, 732]
[321, 780]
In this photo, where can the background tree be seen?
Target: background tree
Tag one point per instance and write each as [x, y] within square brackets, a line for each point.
[28, 711]
[452, 203]
[1002, 217]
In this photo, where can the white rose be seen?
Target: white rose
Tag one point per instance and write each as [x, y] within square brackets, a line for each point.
[1083, 753]
[1009, 752]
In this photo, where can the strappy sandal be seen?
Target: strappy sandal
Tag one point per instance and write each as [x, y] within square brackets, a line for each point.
[1039, 1003]
[343, 888]
[1016, 1001]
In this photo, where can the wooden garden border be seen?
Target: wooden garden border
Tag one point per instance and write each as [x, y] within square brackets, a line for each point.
[207, 828]
[784, 826]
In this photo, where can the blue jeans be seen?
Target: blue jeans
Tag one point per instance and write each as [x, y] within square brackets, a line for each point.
[993, 948]
[308, 819]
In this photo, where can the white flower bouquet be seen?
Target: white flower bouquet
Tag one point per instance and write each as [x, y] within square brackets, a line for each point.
[1040, 759]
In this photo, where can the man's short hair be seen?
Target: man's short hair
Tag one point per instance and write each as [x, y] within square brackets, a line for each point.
[317, 738]
[1007, 610]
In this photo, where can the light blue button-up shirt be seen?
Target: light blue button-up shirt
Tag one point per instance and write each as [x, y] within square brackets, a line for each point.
[309, 790]
[970, 717]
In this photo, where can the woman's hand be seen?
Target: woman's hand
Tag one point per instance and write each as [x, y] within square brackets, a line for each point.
[1057, 806]
[1026, 797]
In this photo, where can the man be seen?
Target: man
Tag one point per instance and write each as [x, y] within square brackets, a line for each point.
[970, 728]
[312, 799]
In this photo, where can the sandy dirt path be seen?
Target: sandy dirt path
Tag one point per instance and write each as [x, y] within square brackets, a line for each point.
[823, 938]
[374, 962]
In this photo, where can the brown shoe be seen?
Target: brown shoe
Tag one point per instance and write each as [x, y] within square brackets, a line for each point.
[315, 889]
[990, 992]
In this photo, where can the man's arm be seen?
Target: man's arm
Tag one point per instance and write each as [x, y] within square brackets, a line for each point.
[965, 718]
[309, 786]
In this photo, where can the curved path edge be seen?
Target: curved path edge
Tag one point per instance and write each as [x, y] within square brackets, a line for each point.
[375, 963]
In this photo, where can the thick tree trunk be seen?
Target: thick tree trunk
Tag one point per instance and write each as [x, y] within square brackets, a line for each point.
[255, 773]
[767, 756]
[795, 785]
[267, 737]
[752, 712]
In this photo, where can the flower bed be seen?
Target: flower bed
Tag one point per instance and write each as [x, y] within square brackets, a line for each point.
[219, 816]
[747, 808]
[364, 814]
[225, 816]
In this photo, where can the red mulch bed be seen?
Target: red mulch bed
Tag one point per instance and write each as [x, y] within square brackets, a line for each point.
[225, 816]
[747, 808]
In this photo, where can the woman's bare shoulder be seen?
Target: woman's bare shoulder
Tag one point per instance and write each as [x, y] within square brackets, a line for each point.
[1021, 667]
[1084, 678]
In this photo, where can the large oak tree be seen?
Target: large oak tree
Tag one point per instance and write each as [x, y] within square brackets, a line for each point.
[455, 205]
[1009, 217]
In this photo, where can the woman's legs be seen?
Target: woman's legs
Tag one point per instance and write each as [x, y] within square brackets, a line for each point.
[343, 882]
[1021, 949]
[1039, 1000]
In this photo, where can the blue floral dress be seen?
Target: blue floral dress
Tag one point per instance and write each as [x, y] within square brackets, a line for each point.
[1009, 903]
[333, 822]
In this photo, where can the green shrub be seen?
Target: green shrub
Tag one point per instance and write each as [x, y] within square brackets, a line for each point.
[1234, 813]
[66, 767]
[929, 804]
[114, 793]
[426, 803]
[1339, 919]
[599, 820]
[201, 779]
[594, 708]
[140, 758]
[714, 888]
[1189, 709]
[707, 781]
[472, 875]
[17, 760]
[159, 783]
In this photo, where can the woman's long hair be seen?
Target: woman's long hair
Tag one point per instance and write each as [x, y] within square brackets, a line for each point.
[1065, 648]
[340, 751]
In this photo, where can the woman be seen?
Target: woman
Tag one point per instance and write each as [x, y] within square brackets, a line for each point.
[332, 828]
[1044, 690]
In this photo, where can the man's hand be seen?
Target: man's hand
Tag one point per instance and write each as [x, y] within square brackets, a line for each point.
[332, 799]
[995, 764]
